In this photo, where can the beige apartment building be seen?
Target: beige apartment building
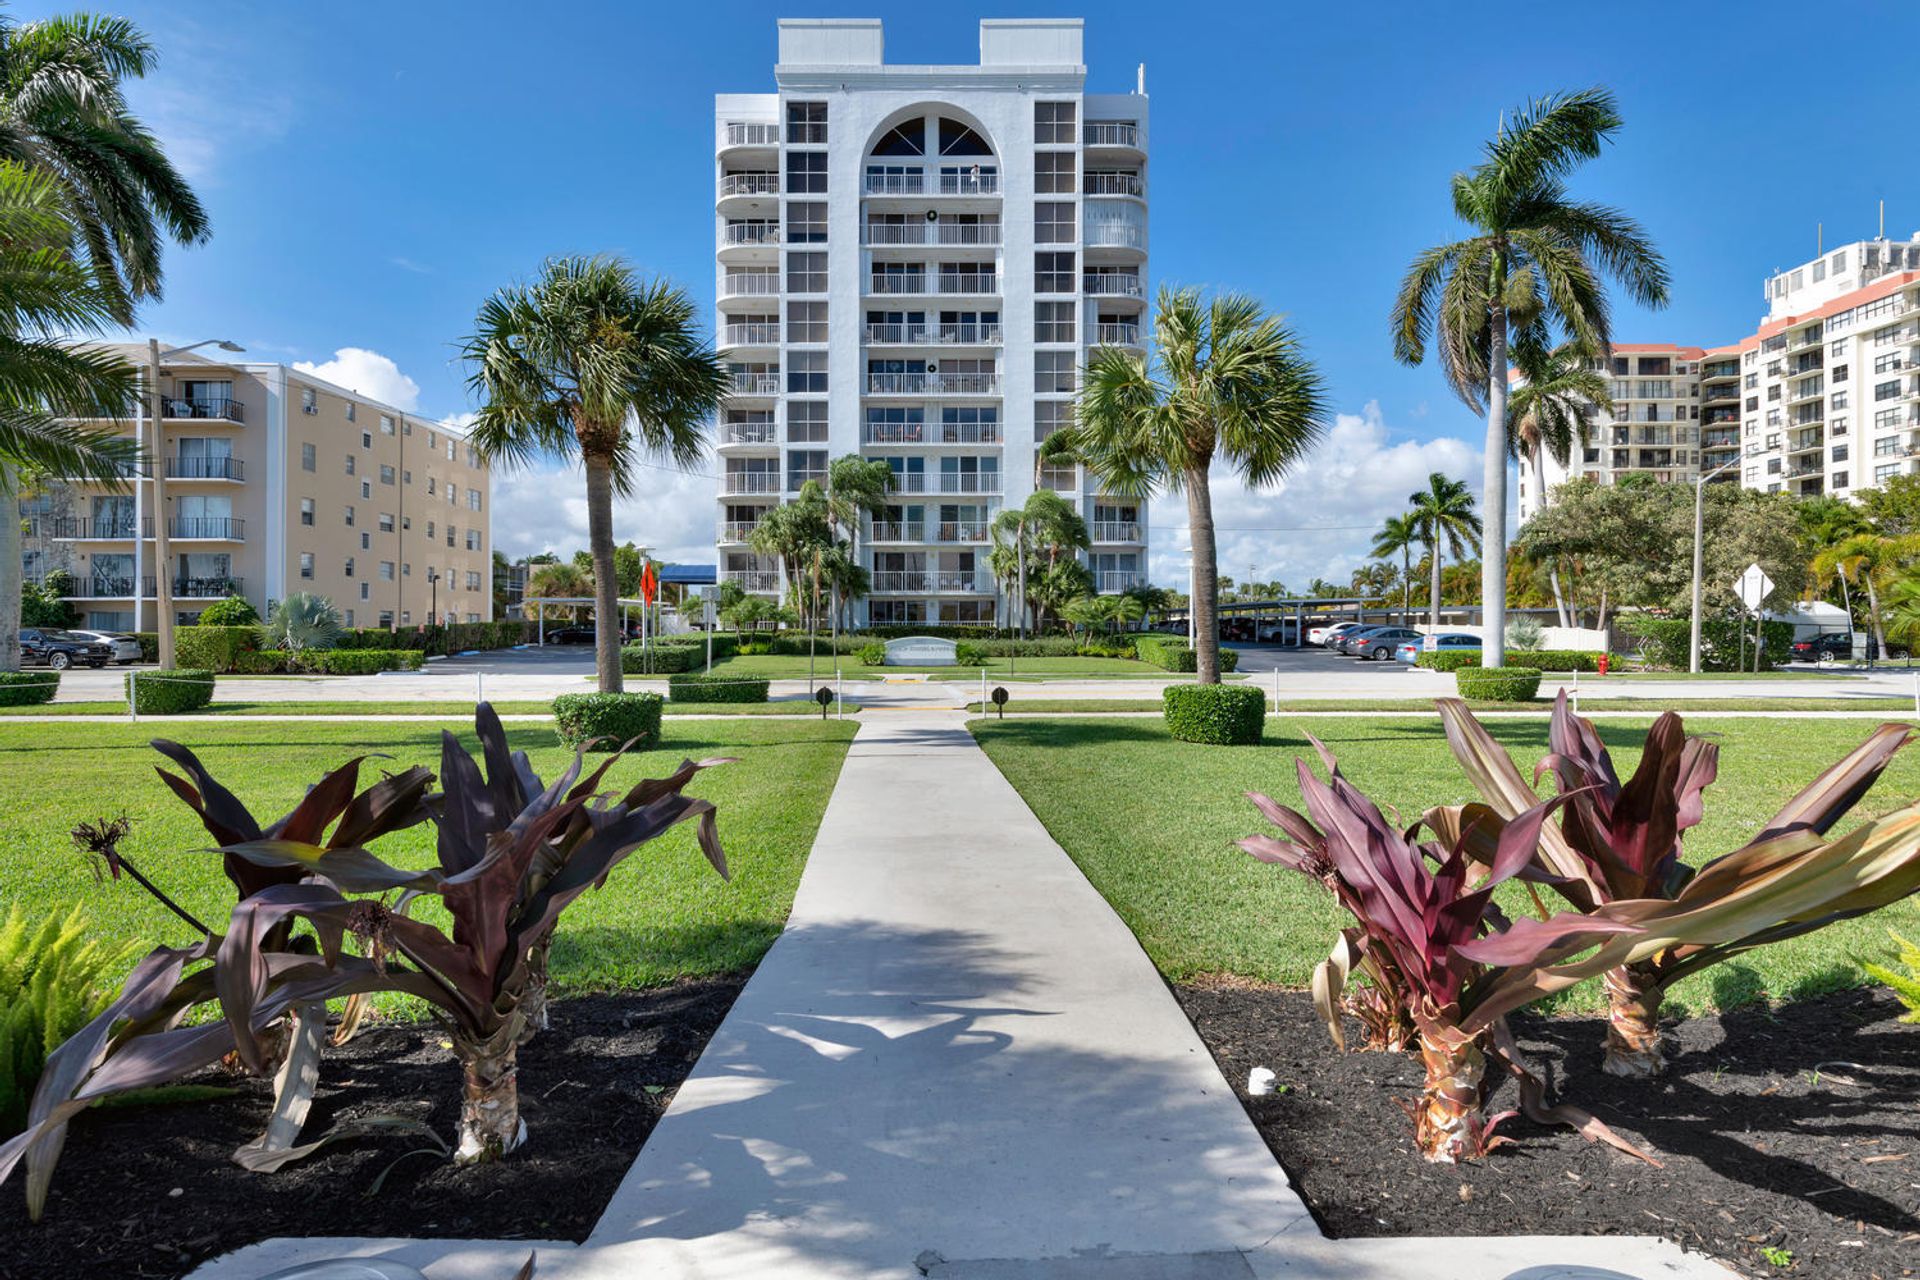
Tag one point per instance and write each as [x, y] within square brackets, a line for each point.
[273, 481]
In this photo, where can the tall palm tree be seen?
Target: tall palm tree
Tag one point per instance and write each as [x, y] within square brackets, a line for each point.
[796, 533]
[1444, 515]
[1873, 559]
[1030, 539]
[1531, 270]
[856, 486]
[561, 580]
[1400, 534]
[48, 293]
[589, 361]
[1824, 522]
[1225, 380]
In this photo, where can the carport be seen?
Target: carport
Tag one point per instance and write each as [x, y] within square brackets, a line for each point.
[539, 603]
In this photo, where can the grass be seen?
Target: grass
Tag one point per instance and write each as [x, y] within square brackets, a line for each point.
[786, 667]
[452, 710]
[663, 914]
[1424, 706]
[1151, 822]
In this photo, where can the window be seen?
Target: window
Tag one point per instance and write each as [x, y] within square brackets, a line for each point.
[807, 172]
[1053, 173]
[1839, 453]
[1887, 390]
[1887, 363]
[386, 522]
[306, 564]
[349, 515]
[1053, 123]
[1840, 399]
[406, 522]
[807, 123]
[352, 410]
[1053, 222]
[349, 464]
[1836, 426]
[386, 424]
[1885, 472]
[1049, 416]
[429, 529]
[366, 488]
[406, 477]
[1839, 479]
[807, 272]
[806, 322]
[1053, 371]
[386, 474]
[473, 539]
[473, 579]
[1886, 419]
[1886, 446]
[1053, 273]
[451, 534]
[1839, 262]
[366, 439]
[309, 460]
[804, 465]
[807, 222]
[1820, 271]
[306, 512]
[807, 422]
[429, 484]
[1840, 372]
[473, 499]
[386, 571]
[308, 402]
[348, 569]
[1053, 321]
[366, 542]
[807, 371]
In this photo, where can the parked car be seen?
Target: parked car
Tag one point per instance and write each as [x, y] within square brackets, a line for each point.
[1277, 632]
[1410, 652]
[570, 635]
[1379, 644]
[61, 649]
[1828, 646]
[126, 648]
[1325, 636]
[1346, 641]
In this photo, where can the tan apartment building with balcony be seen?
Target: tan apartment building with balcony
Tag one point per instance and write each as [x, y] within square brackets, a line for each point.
[272, 482]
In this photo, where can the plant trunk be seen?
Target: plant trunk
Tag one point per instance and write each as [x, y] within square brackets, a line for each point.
[1873, 611]
[12, 576]
[1450, 1123]
[1633, 1021]
[1559, 597]
[1406, 586]
[293, 1086]
[1433, 589]
[490, 1123]
[1493, 500]
[533, 1003]
[606, 585]
[1206, 578]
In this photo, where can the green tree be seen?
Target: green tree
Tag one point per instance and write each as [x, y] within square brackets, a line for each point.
[1038, 533]
[796, 532]
[1874, 560]
[1444, 514]
[1400, 535]
[856, 486]
[1893, 505]
[502, 581]
[589, 361]
[1531, 270]
[233, 611]
[1551, 412]
[1225, 380]
[628, 564]
[560, 580]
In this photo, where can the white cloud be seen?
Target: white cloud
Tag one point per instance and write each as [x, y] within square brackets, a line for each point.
[408, 264]
[209, 101]
[1320, 519]
[367, 372]
[545, 509]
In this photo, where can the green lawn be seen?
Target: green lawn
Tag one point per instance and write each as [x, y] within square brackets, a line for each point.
[1151, 822]
[455, 710]
[786, 667]
[662, 915]
[1897, 707]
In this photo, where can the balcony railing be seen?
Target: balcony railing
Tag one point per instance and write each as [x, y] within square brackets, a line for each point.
[797, 479]
[1112, 133]
[98, 530]
[750, 184]
[932, 433]
[748, 433]
[1116, 335]
[1116, 531]
[207, 528]
[933, 384]
[750, 284]
[204, 469]
[753, 579]
[1060, 479]
[754, 384]
[750, 335]
[898, 282]
[968, 482]
[214, 588]
[969, 282]
[107, 587]
[894, 581]
[973, 181]
[1112, 284]
[742, 133]
[752, 482]
[1115, 184]
[737, 530]
[961, 531]
[934, 334]
[1113, 580]
[897, 531]
[911, 233]
[208, 407]
[911, 183]
[738, 233]
[1115, 235]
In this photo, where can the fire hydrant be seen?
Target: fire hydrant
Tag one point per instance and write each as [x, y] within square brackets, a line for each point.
[1605, 659]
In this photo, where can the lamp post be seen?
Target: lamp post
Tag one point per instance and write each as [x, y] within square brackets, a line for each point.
[162, 581]
[433, 596]
[1699, 530]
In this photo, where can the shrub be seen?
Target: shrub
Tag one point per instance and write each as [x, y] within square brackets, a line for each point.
[262, 662]
[213, 648]
[694, 687]
[55, 976]
[169, 693]
[150, 645]
[358, 662]
[302, 621]
[611, 718]
[660, 659]
[443, 639]
[1172, 653]
[1524, 634]
[1905, 986]
[1229, 715]
[1499, 684]
[1665, 643]
[968, 654]
[1544, 659]
[233, 611]
[872, 654]
[28, 688]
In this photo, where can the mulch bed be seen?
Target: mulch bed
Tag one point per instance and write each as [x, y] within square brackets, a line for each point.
[151, 1190]
[1796, 1128]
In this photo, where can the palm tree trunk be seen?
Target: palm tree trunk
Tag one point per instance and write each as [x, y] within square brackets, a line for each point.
[1493, 501]
[1873, 611]
[1633, 1021]
[1433, 591]
[1450, 1123]
[1406, 586]
[606, 586]
[11, 575]
[1206, 578]
[490, 1123]
[1559, 597]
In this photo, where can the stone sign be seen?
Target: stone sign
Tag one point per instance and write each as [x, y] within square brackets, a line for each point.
[921, 651]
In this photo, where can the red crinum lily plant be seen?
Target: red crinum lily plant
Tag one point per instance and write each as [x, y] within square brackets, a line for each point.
[1420, 906]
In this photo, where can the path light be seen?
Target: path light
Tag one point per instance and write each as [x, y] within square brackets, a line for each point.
[1000, 701]
[823, 696]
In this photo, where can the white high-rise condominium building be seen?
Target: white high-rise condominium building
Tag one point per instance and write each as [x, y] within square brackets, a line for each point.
[1823, 398]
[913, 263]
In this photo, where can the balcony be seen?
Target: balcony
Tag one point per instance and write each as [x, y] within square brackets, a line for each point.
[750, 284]
[1112, 284]
[736, 234]
[896, 581]
[969, 282]
[95, 530]
[749, 433]
[1115, 235]
[757, 334]
[753, 579]
[106, 587]
[1720, 439]
[207, 529]
[754, 384]
[737, 530]
[897, 531]
[933, 384]
[215, 588]
[749, 185]
[931, 433]
[925, 335]
[960, 531]
[798, 479]
[203, 408]
[1805, 469]
[911, 183]
[972, 181]
[742, 133]
[1112, 133]
[1116, 335]
[1806, 389]
[1115, 184]
[204, 469]
[1116, 531]
[766, 482]
[1111, 581]
[898, 282]
[968, 482]
[884, 234]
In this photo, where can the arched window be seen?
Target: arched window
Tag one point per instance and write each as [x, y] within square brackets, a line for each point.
[903, 140]
[957, 139]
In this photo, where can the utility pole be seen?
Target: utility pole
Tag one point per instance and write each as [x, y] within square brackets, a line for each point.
[1699, 556]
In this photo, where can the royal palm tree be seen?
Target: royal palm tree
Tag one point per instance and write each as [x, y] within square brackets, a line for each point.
[589, 361]
[1444, 515]
[1531, 270]
[1225, 380]
[1873, 559]
[1400, 534]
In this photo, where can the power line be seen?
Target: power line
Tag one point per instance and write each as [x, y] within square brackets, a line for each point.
[1300, 528]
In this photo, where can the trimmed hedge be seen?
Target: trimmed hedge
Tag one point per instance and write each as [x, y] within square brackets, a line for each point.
[635, 660]
[1499, 684]
[1226, 715]
[213, 648]
[360, 662]
[1666, 643]
[695, 687]
[725, 644]
[442, 639]
[1542, 659]
[229, 611]
[28, 688]
[607, 721]
[1171, 653]
[262, 662]
[169, 693]
[149, 645]
[968, 654]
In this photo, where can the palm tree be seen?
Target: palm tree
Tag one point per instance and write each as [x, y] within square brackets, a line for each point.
[1225, 380]
[1402, 534]
[46, 384]
[559, 580]
[1030, 539]
[588, 360]
[796, 533]
[856, 486]
[1871, 558]
[1825, 522]
[1444, 515]
[1531, 269]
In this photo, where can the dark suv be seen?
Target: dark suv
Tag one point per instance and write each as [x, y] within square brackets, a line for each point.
[60, 649]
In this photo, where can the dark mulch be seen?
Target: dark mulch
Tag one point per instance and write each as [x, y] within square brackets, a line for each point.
[151, 1191]
[1794, 1128]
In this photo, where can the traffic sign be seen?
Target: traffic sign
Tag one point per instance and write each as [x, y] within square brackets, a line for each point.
[649, 583]
[1754, 586]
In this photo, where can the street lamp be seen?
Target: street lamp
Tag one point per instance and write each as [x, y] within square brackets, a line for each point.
[1699, 528]
[433, 596]
[162, 581]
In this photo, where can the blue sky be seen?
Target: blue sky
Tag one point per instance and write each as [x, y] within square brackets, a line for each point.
[374, 171]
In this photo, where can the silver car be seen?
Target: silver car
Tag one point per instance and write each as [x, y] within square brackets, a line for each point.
[126, 648]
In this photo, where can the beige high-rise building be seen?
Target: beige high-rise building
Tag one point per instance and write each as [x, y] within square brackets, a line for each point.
[274, 481]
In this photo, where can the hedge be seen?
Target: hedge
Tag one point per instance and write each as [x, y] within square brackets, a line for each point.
[1227, 715]
[28, 688]
[359, 662]
[213, 648]
[1499, 684]
[607, 721]
[694, 687]
[1171, 653]
[1665, 643]
[150, 645]
[1543, 659]
[262, 662]
[169, 693]
[444, 639]
[635, 660]
[725, 643]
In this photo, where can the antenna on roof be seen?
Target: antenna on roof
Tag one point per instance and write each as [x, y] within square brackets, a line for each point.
[1140, 80]
[1819, 239]
[1883, 221]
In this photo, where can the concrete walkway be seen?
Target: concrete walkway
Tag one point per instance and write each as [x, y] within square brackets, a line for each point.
[957, 1062]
